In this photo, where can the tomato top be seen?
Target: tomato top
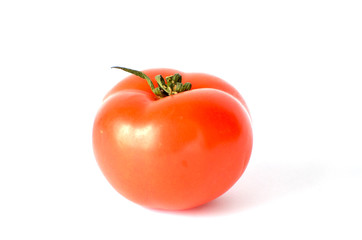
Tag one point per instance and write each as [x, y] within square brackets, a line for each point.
[198, 81]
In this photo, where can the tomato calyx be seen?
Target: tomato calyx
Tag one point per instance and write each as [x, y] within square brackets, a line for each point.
[168, 86]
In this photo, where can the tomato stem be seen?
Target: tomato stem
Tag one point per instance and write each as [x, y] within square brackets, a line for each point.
[172, 85]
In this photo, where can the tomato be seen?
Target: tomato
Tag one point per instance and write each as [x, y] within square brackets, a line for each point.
[177, 150]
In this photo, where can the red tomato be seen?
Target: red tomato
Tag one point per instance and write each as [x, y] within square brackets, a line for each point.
[175, 152]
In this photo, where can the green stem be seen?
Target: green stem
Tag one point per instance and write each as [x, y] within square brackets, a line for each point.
[172, 85]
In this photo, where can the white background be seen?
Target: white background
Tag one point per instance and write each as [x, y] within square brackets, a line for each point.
[298, 64]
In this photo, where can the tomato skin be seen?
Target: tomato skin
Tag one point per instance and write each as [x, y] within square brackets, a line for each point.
[176, 152]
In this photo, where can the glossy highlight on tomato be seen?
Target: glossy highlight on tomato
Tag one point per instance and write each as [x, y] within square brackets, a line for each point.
[175, 150]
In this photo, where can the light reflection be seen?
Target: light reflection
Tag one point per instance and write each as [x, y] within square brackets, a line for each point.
[142, 137]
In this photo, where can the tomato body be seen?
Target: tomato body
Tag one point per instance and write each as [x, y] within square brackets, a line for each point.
[176, 152]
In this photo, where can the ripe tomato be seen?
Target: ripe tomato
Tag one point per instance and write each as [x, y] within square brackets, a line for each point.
[172, 152]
